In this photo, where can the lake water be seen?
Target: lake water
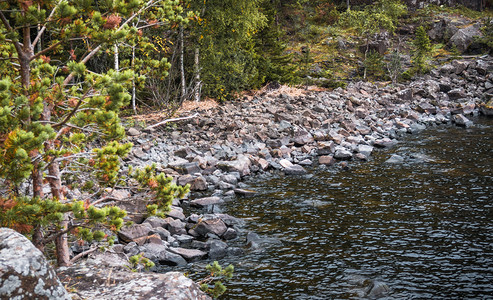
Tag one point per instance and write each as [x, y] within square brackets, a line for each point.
[423, 228]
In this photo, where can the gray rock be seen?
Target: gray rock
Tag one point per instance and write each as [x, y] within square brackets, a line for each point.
[188, 254]
[127, 285]
[133, 131]
[384, 143]
[217, 249]
[230, 234]
[460, 120]
[456, 94]
[366, 150]
[202, 202]
[176, 213]
[198, 184]
[395, 159]
[342, 153]
[464, 37]
[294, 170]
[135, 233]
[155, 221]
[175, 226]
[214, 225]
[24, 271]
[326, 160]
[241, 164]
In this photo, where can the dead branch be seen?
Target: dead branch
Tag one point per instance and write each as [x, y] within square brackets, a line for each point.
[173, 120]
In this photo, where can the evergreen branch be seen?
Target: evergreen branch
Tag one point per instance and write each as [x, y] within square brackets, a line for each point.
[96, 50]
[18, 46]
[71, 114]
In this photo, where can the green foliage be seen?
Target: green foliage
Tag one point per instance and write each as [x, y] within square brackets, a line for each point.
[164, 190]
[225, 33]
[423, 48]
[139, 262]
[374, 65]
[212, 283]
[383, 15]
[487, 39]
[56, 104]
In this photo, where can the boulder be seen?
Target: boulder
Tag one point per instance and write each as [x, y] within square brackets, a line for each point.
[342, 153]
[202, 202]
[395, 159]
[96, 283]
[24, 271]
[217, 249]
[241, 164]
[326, 160]
[188, 254]
[135, 233]
[464, 37]
[460, 120]
[213, 225]
[294, 170]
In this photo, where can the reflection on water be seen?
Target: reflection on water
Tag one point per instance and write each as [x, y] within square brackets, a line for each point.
[423, 227]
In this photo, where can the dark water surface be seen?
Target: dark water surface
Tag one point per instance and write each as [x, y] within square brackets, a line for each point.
[423, 227]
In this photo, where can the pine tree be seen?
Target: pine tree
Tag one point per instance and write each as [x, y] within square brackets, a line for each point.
[274, 64]
[224, 32]
[423, 50]
[54, 103]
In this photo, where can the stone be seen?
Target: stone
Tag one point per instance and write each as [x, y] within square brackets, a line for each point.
[202, 202]
[230, 234]
[176, 213]
[155, 221]
[395, 159]
[25, 272]
[198, 184]
[384, 143]
[302, 138]
[456, 94]
[175, 226]
[133, 131]
[217, 249]
[245, 192]
[135, 233]
[285, 163]
[461, 120]
[214, 225]
[93, 284]
[188, 254]
[343, 154]
[241, 164]
[326, 160]
[464, 37]
[366, 150]
[295, 170]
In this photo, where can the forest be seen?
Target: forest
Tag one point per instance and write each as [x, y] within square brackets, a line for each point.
[71, 69]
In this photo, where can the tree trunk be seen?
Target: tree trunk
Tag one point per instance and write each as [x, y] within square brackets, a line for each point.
[117, 62]
[182, 67]
[197, 75]
[133, 82]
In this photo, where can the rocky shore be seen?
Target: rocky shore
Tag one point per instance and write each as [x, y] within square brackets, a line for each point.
[279, 131]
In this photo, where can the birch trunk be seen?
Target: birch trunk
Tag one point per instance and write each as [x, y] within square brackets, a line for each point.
[197, 75]
[182, 67]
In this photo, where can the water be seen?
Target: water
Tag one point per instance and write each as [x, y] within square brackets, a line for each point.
[423, 228]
